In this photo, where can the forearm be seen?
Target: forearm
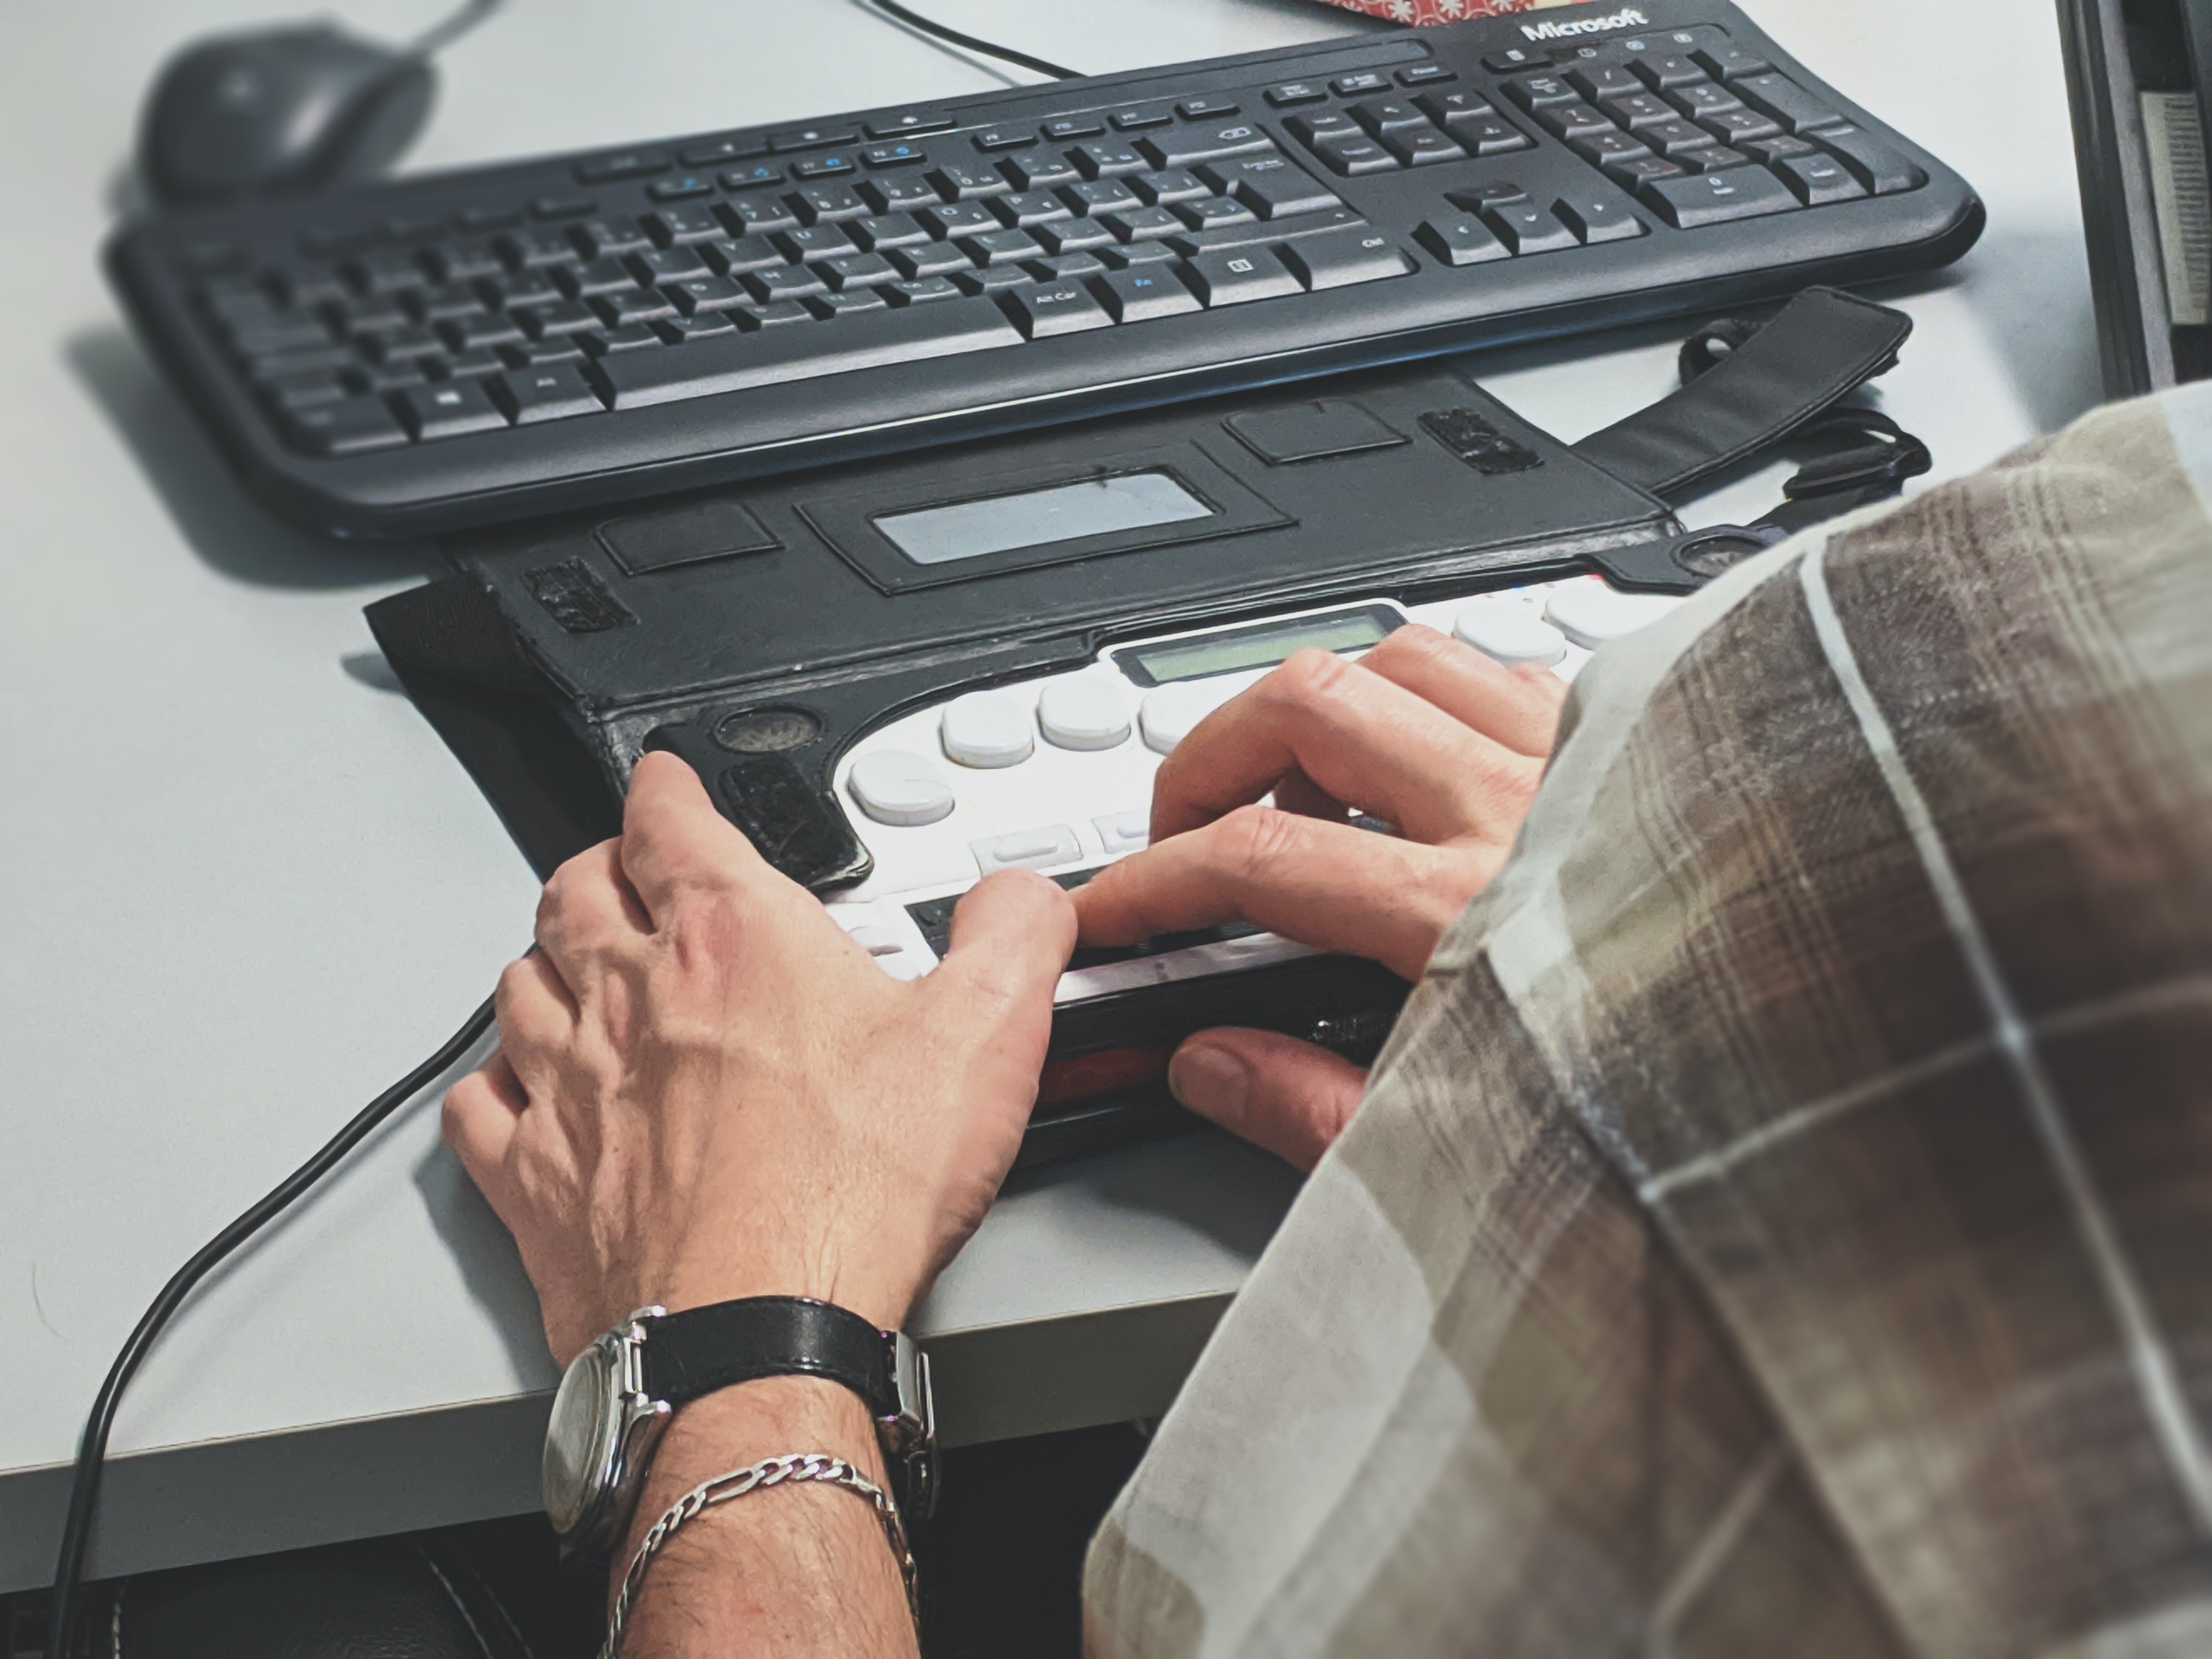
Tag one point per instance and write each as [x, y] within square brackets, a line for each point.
[798, 1569]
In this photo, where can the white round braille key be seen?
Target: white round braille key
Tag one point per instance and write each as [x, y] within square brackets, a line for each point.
[1082, 713]
[1169, 712]
[1509, 632]
[1589, 613]
[895, 787]
[986, 728]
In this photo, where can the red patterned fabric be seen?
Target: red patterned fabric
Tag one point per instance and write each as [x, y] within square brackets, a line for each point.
[1422, 12]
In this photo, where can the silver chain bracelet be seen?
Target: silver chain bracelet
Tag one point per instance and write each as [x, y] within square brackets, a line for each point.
[817, 1467]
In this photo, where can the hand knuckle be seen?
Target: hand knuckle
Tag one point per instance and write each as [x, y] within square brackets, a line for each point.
[1308, 677]
[1255, 840]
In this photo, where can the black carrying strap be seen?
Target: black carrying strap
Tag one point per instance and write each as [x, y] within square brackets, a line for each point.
[700, 1350]
[1758, 384]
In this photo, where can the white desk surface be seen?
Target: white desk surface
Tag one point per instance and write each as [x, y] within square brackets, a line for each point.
[245, 886]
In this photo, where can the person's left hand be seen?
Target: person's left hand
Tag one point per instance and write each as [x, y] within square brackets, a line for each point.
[704, 1090]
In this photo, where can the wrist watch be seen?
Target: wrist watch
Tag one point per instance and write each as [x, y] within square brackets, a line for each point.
[617, 1397]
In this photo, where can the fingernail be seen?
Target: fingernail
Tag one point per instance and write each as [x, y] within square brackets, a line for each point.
[1211, 1081]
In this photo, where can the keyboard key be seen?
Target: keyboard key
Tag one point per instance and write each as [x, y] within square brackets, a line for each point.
[1571, 121]
[1253, 273]
[1700, 102]
[595, 276]
[960, 219]
[1676, 137]
[1512, 59]
[675, 265]
[393, 273]
[1213, 211]
[1186, 145]
[1789, 103]
[305, 390]
[898, 195]
[1419, 149]
[1719, 159]
[1069, 128]
[613, 342]
[994, 279]
[1135, 117]
[921, 292]
[960, 181]
[638, 305]
[1138, 254]
[1449, 109]
[857, 270]
[929, 260]
[1817, 181]
[1040, 169]
[1489, 193]
[746, 216]
[679, 189]
[1271, 186]
[676, 226]
[1100, 196]
[714, 154]
[1030, 207]
[1536, 92]
[633, 164]
[1599, 218]
[1325, 124]
[1103, 159]
[1293, 93]
[992, 139]
[1461, 240]
[895, 335]
[1344, 258]
[1529, 229]
[1205, 109]
[1223, 238]
[1169, 184]
[400, 345]
[451, 410]
[474, 364]
[1382, 115]
[1353, 157]
[825, 166]
[740, 254]
[886, 230]
[1142, 224]
[752, 176]
[1354, 86]
[1771, 150]
[482, 333]
[560, 316]
[894, 156]
[786, 283]
[1741, 126]
[1068, 265]
[828, 204]
[910, 123]
[394, 377]
[817, 242]
[1666, 71]
[706, 294]
[1074, 235]
[817, 137]
[1715, 198]
[1050, 309]
[773, 314]
[845, 301]
[1001, 248]
[1491, 136]
[354, 427]
[552, 392]
[1729, 63]
[1883, 170]
[1423, 74]
[1607, 148]
[601, 238]
[1597, 81]
[1641, 109]
[1139, 296]
[281, 365]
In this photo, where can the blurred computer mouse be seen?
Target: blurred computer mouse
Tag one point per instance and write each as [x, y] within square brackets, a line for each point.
[278, 111]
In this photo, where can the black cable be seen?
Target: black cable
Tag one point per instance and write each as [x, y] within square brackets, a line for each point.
[84, 1488]
[442, 34]
[944, 32]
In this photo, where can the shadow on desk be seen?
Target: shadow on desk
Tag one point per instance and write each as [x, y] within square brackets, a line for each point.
[229, 531]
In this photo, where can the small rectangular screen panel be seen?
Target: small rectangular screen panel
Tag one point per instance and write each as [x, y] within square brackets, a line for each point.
[1239, 649]
[1037, 517]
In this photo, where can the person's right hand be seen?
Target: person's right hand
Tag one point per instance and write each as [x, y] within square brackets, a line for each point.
[1424, 733]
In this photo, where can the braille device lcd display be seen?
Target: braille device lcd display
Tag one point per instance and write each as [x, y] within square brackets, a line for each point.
[1037, 517]
[1238, 650]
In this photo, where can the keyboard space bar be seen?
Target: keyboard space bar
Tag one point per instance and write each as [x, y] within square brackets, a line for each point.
[799, 352]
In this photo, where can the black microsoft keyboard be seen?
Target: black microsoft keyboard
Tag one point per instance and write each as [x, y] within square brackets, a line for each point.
[470, 347]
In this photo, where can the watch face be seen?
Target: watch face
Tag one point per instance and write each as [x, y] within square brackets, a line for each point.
[579, 1439]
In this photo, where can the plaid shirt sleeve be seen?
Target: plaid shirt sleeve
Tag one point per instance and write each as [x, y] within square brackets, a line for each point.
[1781, 1221]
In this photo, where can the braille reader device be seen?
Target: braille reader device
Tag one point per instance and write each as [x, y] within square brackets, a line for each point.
[900, 676]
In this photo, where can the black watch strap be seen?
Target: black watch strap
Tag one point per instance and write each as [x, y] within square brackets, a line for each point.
[700, 1350]
[1820, 347]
